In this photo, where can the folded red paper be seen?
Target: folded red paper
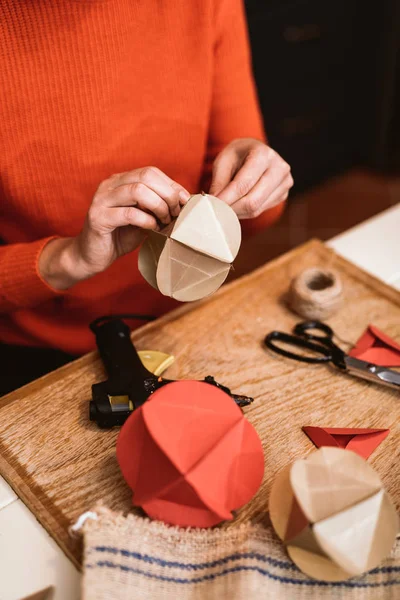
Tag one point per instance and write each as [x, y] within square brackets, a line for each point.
[190, 456]
[362, 441]
[376, 347]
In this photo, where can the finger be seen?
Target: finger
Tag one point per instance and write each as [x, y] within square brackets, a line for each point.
[268, 192]
[183, 194]
[111, 218]
[280, 195]
[248, 175]
[138, 194]
[224, 169]
[170, 191]
[272, 177]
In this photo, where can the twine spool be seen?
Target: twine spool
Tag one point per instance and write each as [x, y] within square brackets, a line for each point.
[316, 293]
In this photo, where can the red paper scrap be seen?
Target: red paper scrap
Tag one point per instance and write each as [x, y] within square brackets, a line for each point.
[190, 456]
[376, 347]
[361, 441]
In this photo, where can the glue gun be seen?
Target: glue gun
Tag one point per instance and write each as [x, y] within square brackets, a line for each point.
[129, 383]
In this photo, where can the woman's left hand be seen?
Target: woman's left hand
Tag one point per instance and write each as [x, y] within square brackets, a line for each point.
[251, 177]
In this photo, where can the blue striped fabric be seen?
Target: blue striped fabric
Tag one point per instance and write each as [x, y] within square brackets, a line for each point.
[223, 571]
[155, 561]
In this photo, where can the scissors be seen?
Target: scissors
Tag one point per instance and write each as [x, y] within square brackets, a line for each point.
[325, 350]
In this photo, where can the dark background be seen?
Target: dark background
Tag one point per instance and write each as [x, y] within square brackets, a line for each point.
[328, 79]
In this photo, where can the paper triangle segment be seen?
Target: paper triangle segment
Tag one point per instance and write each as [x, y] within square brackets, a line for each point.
[350, 539]
[158, 476]
[149, 256]
[186, 275]
[186, 494]
[189, 502]
[46, 594]
[190, 268]
[230, 223]
[247, 467]
[281, 501]
[130, 444]
[361, 441]
[135, 446]
[345, 474]
[297, 522]
[199, 227]
[306, 540]
[226, 489]
[376, 347]
[175, 513]
[205, 416]
[315, 565]
[201, 289]
[164, 270]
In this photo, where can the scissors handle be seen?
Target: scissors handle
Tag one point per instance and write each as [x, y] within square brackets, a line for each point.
[302, 329]
[300, 342]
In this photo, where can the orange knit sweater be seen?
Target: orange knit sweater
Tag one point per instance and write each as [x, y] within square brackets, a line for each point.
[94, 87]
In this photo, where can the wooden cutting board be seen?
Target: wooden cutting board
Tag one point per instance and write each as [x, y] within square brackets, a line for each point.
[60, 464]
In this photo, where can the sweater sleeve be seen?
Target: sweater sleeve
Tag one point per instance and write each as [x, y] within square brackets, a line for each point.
[234, 111]
[21, 285]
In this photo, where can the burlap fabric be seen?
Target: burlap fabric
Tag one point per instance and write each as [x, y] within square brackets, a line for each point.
[137, 559]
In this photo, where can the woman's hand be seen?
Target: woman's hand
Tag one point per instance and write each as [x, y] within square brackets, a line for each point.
[250, 177]
[124, 206]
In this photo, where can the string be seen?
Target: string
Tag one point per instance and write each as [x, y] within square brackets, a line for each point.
[316, 293]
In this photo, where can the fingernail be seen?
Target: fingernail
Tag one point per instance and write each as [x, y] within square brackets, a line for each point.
[184, 196]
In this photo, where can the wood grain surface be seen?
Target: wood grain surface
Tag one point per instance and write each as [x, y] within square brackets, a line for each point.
[60, 464]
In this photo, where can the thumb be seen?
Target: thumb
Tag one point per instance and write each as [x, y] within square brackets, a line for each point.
[224, 168]
[130, 238]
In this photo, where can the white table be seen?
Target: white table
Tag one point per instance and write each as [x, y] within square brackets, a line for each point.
[30, 560]
[374, 245]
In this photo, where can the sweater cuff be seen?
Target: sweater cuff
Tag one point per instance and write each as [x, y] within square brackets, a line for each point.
[22, 284]
[266, 219]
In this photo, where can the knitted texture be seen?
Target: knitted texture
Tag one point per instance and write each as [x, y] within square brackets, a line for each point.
[136, 558]
[92, 88]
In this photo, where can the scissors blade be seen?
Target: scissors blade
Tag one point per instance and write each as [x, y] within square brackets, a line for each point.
[371, 372]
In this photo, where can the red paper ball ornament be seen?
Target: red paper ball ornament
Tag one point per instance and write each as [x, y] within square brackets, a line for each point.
[190, 456]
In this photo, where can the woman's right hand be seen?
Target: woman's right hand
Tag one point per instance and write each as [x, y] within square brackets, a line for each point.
[124, 206]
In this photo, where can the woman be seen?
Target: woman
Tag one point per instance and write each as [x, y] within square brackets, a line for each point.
[113, 113]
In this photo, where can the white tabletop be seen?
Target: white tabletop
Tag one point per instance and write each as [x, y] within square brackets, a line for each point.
[29, 558]
[374, 245]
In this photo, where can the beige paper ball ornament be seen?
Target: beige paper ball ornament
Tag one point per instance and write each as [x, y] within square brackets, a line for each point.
[332, 513]
[191, 258]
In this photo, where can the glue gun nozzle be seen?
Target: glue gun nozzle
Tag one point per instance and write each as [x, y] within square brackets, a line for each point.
[242, 400]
